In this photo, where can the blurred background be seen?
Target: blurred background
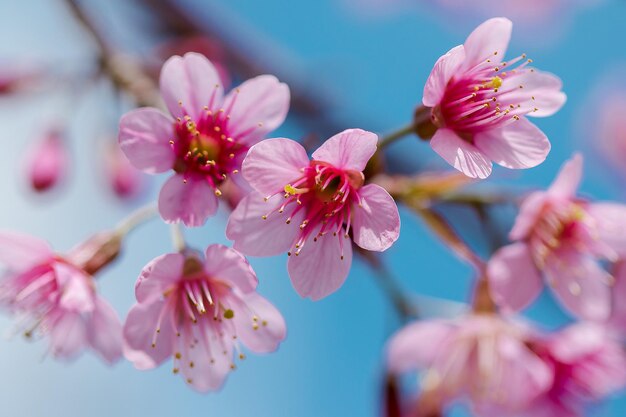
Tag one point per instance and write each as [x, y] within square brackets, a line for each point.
[349, 63]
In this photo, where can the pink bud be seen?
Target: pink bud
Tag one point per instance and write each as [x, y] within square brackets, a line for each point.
[47, 161]
[124, 179]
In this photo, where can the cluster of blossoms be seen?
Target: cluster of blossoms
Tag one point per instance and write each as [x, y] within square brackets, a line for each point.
[200, 309]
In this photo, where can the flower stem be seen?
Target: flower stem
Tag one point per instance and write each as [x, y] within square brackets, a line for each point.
[136, 218]
[394, 136]
[178, 239]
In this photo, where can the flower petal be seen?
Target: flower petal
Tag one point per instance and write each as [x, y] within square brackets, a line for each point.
[188, 84]
[611, 225]
[191, 202]
[518, 145]
[416, 345]
[444, 69]
[158, 276]
[541, 90]
[104, 332]
[254, 236]
[528, 216]
[350, 149]
[67, 334]
[581, 285]
[256, 108]
[139, 335]
[273, 163]
[19, 252]
[461, 154]
[514, 280]
[264, 334]
[77, 293]
[490, 38]
[227, 264]
[567, 181]
[376, 221]
[144, 138]
[320, 269]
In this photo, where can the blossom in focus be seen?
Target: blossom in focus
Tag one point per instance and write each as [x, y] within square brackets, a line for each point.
[47, 161]
[565, 239]
[478, 357]
[479, 102]
[205, 138]
[122, 177]
[310, 207]
[197, 311]
[588, 364]
[56, 294]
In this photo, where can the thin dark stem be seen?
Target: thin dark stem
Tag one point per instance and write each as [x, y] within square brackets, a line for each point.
[390, 138]
[404, 307]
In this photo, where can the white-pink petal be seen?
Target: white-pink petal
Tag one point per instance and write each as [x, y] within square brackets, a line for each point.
[416, 345]
[158, 276]
[490, 38]
[514, 280]
[104, 331]
[461, 154]
[528, 216]
[140, 333]
[226, 264]
[518, 145]
[190, 83]
[191, 202]
[319, 269]
[567, 181]
[610, 219]
[264, 334]
[67, 334]
[350, 149]
[19, 252]
[542, 91]
[144, 138]
[273, 163]
[376, 221]
[256, 108]
[441, 74]
[77, 293]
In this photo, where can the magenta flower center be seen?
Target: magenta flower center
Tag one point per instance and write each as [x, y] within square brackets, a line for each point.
[204, 148]
[484, 97]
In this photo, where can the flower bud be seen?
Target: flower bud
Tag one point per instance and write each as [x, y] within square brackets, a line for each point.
[47, 161]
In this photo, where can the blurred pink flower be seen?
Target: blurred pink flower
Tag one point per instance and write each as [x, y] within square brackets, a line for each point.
[47, 160]
[479, 357]
[310, 207]
[197, 311]
[565, 238]
[588, 365]
[480, 102]
[123, 178]
[57, 296]
[610, 128]
[207, 136]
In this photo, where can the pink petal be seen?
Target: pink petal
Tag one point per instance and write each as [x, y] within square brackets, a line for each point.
[461, 154]
[518, 145]
[139, 333]
[416, 345]
[227, 264]
[444, 69]
[490, 37]
[211, 356]
[610, 221]
[159, 275]
[577, 341]
[191, 202]
[542, 91]
[376, 221]
[581, 285]
[67, 335]
[274, 163]
[567, 181]
[270, 325]
[528, 216]
[256, 108]
[350, 149]
[104, 332]
[257, 237]
[19, 252]
[319, 270]
[77, 292]
[514, 280]
[618, 315]
[190, 83]
[144, 138]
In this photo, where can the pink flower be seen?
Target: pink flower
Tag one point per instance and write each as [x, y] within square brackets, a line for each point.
[58, 297]
[480, 102]
[47, 161]
[206, 136]
[563, 237]
[310, 207]
[197, 311]
[479, 357]
[588, 365]
[123, 178]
